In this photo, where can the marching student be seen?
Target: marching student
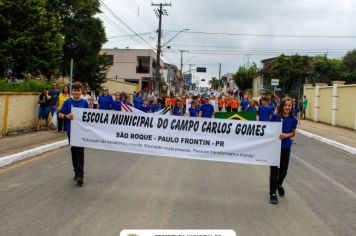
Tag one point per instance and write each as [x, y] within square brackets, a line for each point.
[206, 110]
[145, 107]
[227, 104]
[234, 104]
[193, 110]
[105, 101]
[177, 109]
[289, 124]
[220, 103]
[154, 107]
[296, 109]
[252, 106]
[116, 105]
[244, 103]
[265, 111]
[66, 113]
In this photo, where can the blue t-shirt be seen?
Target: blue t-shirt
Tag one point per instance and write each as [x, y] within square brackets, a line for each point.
[265, 113]
[145, 108]
[67, 108]
[154, 108]
[193, 112]
[207, 110]
[244, 104]
[251, 109]
[138, 102]
[105, 102]
[54, 96]
[116, 105]
[176, 111]
[295, 112]
[288, 125]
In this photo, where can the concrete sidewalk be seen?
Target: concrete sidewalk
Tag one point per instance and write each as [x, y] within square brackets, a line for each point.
[337, 134]
[14, 144]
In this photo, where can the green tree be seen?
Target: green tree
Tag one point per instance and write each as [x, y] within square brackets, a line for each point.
[84, 36]
[215, 83]
[30, 41]
[325, 70]
[244, 76]
[290, 70]
[349, 66]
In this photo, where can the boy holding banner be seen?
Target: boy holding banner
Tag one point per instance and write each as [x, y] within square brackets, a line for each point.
[65, 113]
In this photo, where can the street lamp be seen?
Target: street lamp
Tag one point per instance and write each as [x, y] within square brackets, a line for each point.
[174, 36]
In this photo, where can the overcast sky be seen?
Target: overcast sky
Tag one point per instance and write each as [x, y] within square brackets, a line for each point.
[272, 27]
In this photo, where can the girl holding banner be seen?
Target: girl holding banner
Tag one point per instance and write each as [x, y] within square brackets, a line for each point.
[289, 124]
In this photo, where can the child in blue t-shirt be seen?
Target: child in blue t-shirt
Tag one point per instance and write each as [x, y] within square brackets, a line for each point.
[289, 124]
[265, 112]
[295, 109]
[206, 109]
[116, 105]
[66, 114]
[244, 103]
[177, 109]
[154, 107]
[252, 106]
[193, 110]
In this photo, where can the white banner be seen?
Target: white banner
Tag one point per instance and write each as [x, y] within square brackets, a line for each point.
[248, 142]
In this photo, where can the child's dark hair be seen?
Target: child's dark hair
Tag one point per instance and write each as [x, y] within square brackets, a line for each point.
[282, 104]
[77, 86]
[264, 98]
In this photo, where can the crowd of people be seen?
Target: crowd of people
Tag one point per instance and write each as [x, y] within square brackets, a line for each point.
[268, 108]
[51, 101]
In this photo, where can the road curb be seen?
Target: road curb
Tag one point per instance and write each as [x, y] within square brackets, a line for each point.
[7, 160]
[328, 141]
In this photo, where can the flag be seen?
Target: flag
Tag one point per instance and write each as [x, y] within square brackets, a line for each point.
[241, 115]
[164, 112]
[127, 108]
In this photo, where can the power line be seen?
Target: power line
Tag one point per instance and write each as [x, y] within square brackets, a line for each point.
[269, 35]
[117, 17]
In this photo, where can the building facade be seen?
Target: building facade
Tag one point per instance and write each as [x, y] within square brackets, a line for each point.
[134, 66]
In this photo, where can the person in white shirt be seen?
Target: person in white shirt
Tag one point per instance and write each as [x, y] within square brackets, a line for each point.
[85, 96]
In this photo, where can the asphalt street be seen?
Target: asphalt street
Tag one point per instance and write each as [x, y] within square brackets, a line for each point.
[130, 191]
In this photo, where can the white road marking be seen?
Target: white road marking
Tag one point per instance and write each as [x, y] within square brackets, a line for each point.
[325, 176]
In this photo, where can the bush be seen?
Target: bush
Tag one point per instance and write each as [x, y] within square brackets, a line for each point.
[24, 86]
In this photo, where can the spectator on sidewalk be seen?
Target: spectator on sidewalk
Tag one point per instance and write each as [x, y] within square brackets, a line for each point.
[43, 111]
[105, 101]
[66, 113]
[305, 105]
[63, 96]
[54, 93]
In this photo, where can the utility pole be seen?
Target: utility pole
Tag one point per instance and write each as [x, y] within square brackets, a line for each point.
[71, 76]
[159, 13]
[219, 70]
[181, 62]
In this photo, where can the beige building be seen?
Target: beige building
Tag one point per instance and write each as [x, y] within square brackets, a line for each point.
[133, 65]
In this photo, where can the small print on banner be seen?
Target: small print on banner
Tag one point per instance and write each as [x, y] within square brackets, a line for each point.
[176, 232]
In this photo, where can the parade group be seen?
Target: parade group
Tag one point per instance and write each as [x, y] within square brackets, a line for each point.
[51, 101]
[268, 108]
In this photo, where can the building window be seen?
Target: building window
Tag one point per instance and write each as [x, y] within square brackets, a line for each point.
[110, 59]
[143, 65]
